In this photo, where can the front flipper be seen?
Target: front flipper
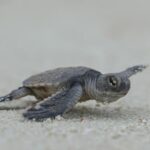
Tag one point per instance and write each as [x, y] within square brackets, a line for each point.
[56, 105]
[133, 70]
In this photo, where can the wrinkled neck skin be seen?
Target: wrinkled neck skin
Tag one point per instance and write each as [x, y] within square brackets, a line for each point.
[90, 88]
[97, 94]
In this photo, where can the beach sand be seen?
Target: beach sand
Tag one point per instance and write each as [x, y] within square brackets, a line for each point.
[106, 35]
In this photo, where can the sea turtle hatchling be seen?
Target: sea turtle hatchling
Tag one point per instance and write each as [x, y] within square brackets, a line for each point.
[58, 90]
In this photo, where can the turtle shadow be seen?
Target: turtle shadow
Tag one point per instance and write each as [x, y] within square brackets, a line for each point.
[16, 105]
[101, 112]
[114, 113]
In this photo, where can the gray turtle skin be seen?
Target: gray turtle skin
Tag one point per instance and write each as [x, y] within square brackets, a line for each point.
[57, 91]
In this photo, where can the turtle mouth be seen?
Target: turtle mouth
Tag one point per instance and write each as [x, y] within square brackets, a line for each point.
[123, 93]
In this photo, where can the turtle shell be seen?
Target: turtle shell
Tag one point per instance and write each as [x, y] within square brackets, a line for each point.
[53, 78]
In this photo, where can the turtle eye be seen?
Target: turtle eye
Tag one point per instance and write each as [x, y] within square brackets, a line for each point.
[112, 81]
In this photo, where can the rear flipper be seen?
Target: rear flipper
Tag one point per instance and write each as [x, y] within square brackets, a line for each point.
[16, 94]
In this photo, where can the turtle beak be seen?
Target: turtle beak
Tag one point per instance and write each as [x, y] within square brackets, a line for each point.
[133, 70]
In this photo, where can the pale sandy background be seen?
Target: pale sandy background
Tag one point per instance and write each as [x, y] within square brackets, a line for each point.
[108, 35]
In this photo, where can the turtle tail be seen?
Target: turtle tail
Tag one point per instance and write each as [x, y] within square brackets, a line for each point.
[16, 94]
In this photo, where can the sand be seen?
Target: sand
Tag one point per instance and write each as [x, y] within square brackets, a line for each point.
[106, 35]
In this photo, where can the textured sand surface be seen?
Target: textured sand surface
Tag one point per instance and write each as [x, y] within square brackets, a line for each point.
[106, 35]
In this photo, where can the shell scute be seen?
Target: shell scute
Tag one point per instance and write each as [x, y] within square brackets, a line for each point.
[54, 77]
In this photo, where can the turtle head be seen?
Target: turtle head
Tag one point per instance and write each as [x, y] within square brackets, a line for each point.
[113, 86]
